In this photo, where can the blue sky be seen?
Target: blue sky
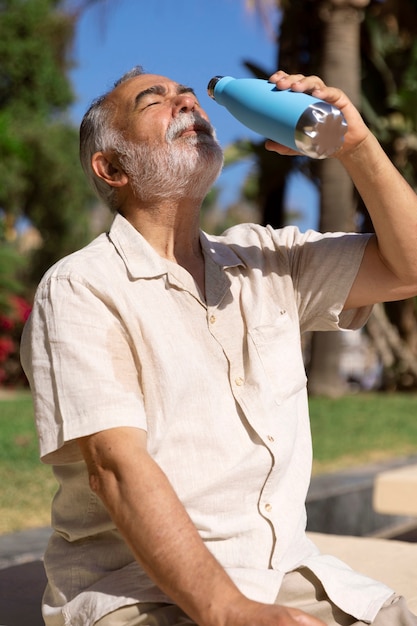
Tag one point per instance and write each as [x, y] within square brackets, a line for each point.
[188, 40]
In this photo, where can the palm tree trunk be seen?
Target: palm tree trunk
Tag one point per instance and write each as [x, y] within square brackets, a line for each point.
[340, 67]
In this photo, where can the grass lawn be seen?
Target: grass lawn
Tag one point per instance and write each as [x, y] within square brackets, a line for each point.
[362, 428]
[349, 431]
[26, 485]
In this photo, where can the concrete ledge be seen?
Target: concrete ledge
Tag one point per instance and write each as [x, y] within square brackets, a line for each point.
[396, 491]
[392, 562]
[22, 577]
[339, 507]
[22, 582]
[21, 589]
[23, 547]
[341, 503]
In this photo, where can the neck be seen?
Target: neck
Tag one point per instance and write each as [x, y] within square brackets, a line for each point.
[172, 228]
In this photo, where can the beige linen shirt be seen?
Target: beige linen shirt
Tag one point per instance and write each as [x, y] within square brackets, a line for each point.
[119, 336]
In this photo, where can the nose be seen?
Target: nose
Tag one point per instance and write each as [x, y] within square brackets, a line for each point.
[184, 103]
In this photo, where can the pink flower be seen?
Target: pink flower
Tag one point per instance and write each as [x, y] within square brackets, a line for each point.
[6, 323]
[7, 346]
[21, 307]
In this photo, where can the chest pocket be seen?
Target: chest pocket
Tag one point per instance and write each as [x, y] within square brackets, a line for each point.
[278, 349]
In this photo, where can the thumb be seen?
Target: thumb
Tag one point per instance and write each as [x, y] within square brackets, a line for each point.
[303, 619]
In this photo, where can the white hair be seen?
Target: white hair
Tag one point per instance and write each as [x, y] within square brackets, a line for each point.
[163, 172]
[97, 134]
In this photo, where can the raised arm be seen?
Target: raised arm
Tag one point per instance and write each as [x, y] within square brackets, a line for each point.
[161, 535]
[389, 267]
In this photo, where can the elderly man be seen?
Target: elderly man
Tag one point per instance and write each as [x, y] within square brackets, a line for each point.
[169, 386]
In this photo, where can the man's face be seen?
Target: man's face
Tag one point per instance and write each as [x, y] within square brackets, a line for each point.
[146, 106]
[169, 147]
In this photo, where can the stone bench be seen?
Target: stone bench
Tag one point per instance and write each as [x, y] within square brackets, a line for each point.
[392, 562]
[21, 589]
[395, 491]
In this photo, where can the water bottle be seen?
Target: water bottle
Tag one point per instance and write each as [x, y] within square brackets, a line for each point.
[296, 120]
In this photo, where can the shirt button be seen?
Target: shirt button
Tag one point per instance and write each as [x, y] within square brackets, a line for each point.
[270, 438]
[239, 381]
[212, 319]
[268, 507]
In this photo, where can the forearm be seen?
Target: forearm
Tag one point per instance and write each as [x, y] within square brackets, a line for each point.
[391, 203]
[164, 540]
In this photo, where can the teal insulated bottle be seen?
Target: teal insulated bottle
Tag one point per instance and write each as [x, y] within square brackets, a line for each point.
[296, 120]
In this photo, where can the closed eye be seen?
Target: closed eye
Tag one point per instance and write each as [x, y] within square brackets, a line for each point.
[157, 90]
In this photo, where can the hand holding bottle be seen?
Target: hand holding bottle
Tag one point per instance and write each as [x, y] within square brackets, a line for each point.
[356, 132]
[294, 119]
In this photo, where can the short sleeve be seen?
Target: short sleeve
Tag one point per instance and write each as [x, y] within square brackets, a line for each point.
[81, 367]
[324, 267]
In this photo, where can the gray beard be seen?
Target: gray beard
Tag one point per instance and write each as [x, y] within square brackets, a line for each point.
[185, 167]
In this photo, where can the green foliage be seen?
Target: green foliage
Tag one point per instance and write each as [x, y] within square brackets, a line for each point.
[9, 263]
[40, 175]
[34, 42]
[389, 94]
[13, 161]
[57, 197]
[41, 179]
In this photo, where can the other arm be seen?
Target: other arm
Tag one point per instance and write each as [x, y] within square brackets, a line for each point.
[161, 535]
[389, 267]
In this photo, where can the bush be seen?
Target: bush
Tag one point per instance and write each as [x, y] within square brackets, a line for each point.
[11, 326]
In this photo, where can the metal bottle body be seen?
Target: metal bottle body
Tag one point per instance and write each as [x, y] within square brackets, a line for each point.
[296, 120]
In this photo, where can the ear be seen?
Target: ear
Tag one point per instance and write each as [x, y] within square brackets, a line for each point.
[108, 169]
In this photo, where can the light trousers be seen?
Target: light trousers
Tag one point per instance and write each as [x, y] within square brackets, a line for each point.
[300, 589]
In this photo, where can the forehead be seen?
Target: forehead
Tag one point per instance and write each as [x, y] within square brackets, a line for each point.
[128, 93]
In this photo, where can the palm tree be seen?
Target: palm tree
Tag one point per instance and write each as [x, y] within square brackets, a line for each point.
[320, 37]
[340, 65]
[367, 47]
[389, 94]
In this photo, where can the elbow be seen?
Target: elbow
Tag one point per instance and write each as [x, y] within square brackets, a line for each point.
[102, 481]
[95, 482]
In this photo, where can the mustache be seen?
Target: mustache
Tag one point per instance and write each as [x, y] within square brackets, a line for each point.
[187, 120]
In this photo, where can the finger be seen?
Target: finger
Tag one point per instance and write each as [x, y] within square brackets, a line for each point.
[312, 85]
[304, 619]
[283, 80]
[298, 82]
[277, 76]
[273, 146]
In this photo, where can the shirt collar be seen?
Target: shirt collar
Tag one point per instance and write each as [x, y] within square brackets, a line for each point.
[219, 252]
[142, 261]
